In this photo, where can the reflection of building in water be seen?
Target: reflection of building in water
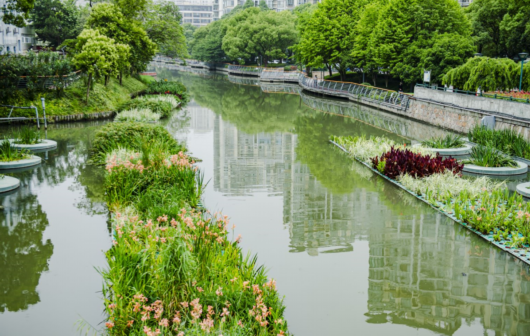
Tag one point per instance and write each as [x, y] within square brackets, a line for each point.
[202, 119]
[426, 272]
[246, 163]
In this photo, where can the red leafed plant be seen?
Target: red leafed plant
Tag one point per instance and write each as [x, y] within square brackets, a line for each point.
[398, 162]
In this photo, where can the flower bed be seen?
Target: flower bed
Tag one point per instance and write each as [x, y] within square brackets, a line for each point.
[484, 207]
[173, 268]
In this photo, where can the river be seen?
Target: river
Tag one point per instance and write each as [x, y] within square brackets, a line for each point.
[351, 253]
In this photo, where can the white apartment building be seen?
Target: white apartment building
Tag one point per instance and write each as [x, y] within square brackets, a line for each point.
[196, 12]
[14, 40]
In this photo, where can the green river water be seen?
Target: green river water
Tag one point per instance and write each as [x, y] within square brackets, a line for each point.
[351, 253]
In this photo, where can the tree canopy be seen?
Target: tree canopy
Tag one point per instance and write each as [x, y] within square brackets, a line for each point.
[55, 21]
[16, 12]
[162, 24]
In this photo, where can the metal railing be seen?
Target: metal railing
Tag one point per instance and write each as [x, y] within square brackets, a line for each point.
[280, 88]
[44, 82]
[245, 70]
[280, 75]
[478, 94]
[352, 90]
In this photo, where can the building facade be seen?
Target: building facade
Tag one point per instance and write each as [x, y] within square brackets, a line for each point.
[14, 40]
[196, 12]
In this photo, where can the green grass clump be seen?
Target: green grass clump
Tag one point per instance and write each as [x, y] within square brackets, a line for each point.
[507, 140]
[27, 136]
[487, 156]
[449, 141]
[172, 267]
[139, 115]
[102, 99]
[9, 153]
[164, 108]
[131, 135]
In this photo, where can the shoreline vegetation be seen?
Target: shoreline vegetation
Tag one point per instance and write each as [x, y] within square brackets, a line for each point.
[484, 206]
[174, 267]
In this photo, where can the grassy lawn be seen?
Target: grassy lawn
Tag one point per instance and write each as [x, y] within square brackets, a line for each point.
[102, 99]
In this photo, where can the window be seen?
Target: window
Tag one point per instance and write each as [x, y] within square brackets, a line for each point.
[188, 20]
[187, 14]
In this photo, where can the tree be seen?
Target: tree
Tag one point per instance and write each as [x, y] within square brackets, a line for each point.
[328, 37]
[98, 55]
[16, 12]
[55, 21]
[248, 4]
[406, 27]
[303, 14]
[189, 29]
[207, 43]
[162, 24]
[263, 5]
[109, 21]
[259, 33]
[448, 51]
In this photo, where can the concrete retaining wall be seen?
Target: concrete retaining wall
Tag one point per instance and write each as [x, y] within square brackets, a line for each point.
[520, 110]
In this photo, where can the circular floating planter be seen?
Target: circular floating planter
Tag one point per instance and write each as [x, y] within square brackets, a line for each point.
[523, 189]
[501, 171]
[41, 146]
[8, 183]
[466, 150]
[31, 161]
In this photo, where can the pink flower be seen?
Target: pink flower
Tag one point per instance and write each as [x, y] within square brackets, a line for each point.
[112, 306]
[239, 323]
[109, 325]
[200, 289]
[219, 291]
[164, 323]
[238, 238]
[184, 304]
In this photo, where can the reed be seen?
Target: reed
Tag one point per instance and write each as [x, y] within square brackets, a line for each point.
[507, 140]
[449, 141]
[27, 136]
[488, 156]
[138, 115]
[8, 153]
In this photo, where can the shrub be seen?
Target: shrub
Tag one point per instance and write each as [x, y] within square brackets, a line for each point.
[449, 141]
[400, 162]
[131, 136]
[507, 140]
[27, 136]
[140, 115]
[169, 87]
[163, 108]
[487, 156]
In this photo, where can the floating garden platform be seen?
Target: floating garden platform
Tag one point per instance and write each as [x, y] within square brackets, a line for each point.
[523, 189]
[466, 150]
[41, 146]
[503, 244]
[29, 162]
[522, 168]
[8, 183]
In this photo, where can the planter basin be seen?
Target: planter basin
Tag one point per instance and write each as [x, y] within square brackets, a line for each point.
[522, 189]
[502, 171]
[44, 144]
[32, 161]
[8, 183]
[466, 150]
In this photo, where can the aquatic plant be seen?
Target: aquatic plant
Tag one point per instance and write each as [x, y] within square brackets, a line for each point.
[9, 153]
[449, 141]
[140, 115]
[163, 108]
[487, 156]
[506, 140]
[27, 136]
[130, 135]
[399, 162]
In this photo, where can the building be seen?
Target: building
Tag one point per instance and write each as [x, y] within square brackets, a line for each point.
[196, 12]
[14, 40]
[465, 3]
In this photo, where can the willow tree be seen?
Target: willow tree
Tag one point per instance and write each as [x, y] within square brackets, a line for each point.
[328, 37]
[489, 74]
[253, 32]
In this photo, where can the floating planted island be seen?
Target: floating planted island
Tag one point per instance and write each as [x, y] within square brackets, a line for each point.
[13, 158]
[523, 189]
[8, 183]
[30, 139]
[450, 145]
[486, 160]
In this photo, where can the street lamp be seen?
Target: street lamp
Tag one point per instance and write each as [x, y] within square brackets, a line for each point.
[522, 57]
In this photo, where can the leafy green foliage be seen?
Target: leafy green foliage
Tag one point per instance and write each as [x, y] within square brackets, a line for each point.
[506, 140]
[130, 135]
[16, 12]
[55, 21]
[449, 141]
[169, 87]
[27, 136]
[161, 107]
[253, 32]
[488, 156]
[207, 43]
[9, 153]
[162, 24]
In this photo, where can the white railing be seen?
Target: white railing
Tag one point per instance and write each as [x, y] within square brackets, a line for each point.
[272, 75]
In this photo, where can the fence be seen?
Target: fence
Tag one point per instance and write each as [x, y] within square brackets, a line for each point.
[352, 90]
[45, 82]
[474, 93]
[245, 70]
[284, 76]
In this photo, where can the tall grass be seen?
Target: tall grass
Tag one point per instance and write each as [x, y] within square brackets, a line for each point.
[173, 269]
[487, 156]
[139, 115]
[507, 140]
[449, 141]
[27, 136]
[9, 153]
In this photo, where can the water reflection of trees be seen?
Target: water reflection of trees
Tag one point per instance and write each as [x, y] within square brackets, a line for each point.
[23, 254]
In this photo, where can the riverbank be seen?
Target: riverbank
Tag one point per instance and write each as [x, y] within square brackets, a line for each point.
[104, 100]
